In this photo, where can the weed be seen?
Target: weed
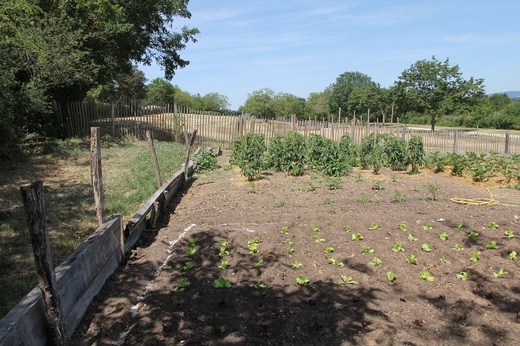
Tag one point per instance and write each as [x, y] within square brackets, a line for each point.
[492, 245]
[501, 273]
[433, 189]
[425, 275]
[363, 199]
[367, 250]
[297, 265]
[187, 266]
[394, 178]
[398, 196]
[444, 236]
[359, 178]
[347, 280]
[376, 261]
[221, 283]
[411, 259]
[426, 248]
[285, 230]
[279, 204]
[463, 276]
[191, 251]
[512, 255]
[378, 185]
[347, 229]
[357, 236]
[475, 256]
[473, 235]
[328, 201]
[397, 247]
[258, 285]
[509, 233]
[391, 277]
[259, 262]
[182, 284]
[329, 249]
[492, 225]
[302, 280]
[334, 183]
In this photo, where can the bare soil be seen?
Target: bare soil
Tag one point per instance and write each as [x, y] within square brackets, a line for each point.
[142, 303]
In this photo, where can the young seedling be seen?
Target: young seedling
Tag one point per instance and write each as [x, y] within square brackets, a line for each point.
[444, 236]
[335, 262]
[376, 261]
[315, 229]
[411, 259]
[457, 247]
[463, 276]
[297, 265]
[192, 242]
[402, 227]
[319, 239]
[259, 262]
[434, 189]
[397, 247]
[512, 255]
[187, 266]
[221, 283]
[329, 249]
[259, 284]
[347, 229]
[252, 245]
[191, 251]
[391, 277]
[501, 273]
[444, 260]
[302, 280]
[509, 233]
[357, 236]
[290, 250]
[492, 245]
[473, 235]
[223, 264]
[492, 225]
[367, 250]
[223, 247]
[412, 238]
[475, 256]
[182, 284]
[347, 280]
[427, 227]
[426, 248]
[425, 275]
[373, 227]
[285, 230]
[459, 226]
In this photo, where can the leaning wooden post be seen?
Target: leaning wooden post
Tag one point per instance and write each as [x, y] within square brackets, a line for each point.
[96, 174]
[154, 158]
[189, 143]
[32, 196]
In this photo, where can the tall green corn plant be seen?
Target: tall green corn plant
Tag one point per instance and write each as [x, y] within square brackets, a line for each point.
[396, 154]
[415, 153]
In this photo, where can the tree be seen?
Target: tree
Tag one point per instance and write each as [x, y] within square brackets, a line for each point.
[214, 102]
[160, 91]
[260, 103]
[436, 88]
[341, 90]
[286, 105]
[317, 105]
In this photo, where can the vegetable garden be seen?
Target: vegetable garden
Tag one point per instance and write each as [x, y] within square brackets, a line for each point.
[309, 241]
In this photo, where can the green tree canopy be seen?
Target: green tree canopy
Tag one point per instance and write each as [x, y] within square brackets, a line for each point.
[214, 102]
[260, 103]
[317, 105]
[436, 88]
[340, 91]
[160, 91]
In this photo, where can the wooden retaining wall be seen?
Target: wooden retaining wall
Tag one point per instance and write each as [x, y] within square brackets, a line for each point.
[82, 275]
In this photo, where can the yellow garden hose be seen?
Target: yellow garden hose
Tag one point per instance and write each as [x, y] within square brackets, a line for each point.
[481, 201]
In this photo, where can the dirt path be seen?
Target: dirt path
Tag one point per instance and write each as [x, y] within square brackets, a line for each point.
[144, 302]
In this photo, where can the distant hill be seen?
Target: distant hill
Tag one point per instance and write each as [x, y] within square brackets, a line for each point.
[513, 95]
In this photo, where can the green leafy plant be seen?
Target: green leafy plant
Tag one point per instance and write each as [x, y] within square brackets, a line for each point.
[248, 153]
[367, 250]
[221, 283]
[347, 280]
[463, 276]
[252, 245]
[259, 284]
[223, 247]
[329, 249]
[475, 256]
[457, 247]
[459, 226]
[473, 235]
[416, 153]
[319, 239]
[259, 262]
[347, 229]
[444, 236]
[315, 229]
[433, 189]
[285, 230]
[512, 255]
[357, 236]
[187, 266]
[378, 185]
[373, 227]
[397, 247]
[492, 225]
[411, 259]
[492, 245]
[297, 265]
[182, 284]
[334, 262]
[403, 227]
[427, 227]
[509, 233]
[444, 260]
[425, 275]
[191, 251]
[290, 250]
[223, 264]
[398, 196]
[458, 164]
[391, 277]
[376, 261]
[192, 241]
[412, 238]
[426, 248]
[206, 161]
[501, 273]
[302, 280]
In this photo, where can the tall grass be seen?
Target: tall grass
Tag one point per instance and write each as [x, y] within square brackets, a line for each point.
[64, 166]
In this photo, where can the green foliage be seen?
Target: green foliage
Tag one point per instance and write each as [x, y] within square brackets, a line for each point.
[345, 84]
[297, 265]
[329, 249]
[492, 225]
[372, 154]
[397, 247]
[396, 154]
[182, 284]
[426, 248]
[412, 238]
[252, 245]
[512, 255]
[415, 153]
[221, 283]
[206, 161]
[436, 161]
[509, 233]
[223, 264]
[302, 280]
[248, 154]
[259, 285]
[411, 259]
[373, 227]
[475, 255]
[391, 277]
[492, 245]
[501, 273]
[287, 154]
[335, 262]
[458, 164]
[425, 275]
[433, 189]
[478, 167]
[376, 261]
[444, 236]
[325, 156]
[367, 250]
[187, 266]
[463, 276]
[357, 236]
[347, 280]
[473, 234]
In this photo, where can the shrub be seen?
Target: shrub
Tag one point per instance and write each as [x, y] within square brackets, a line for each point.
[396, 154]
[247, 153]
[415, 153]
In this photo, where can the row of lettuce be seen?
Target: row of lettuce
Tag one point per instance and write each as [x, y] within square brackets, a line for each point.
[295, 155]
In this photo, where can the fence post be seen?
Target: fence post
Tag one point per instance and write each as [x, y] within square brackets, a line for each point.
[154, 158]
[506, 149]
[32, 196]
[96, 173]
[456, 142]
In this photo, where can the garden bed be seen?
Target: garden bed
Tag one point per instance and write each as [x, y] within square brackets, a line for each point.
[293, 221]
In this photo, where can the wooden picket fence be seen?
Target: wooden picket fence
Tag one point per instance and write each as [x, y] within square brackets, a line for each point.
[219, 130]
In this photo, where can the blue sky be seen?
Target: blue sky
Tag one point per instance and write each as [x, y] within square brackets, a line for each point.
[302, 46]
